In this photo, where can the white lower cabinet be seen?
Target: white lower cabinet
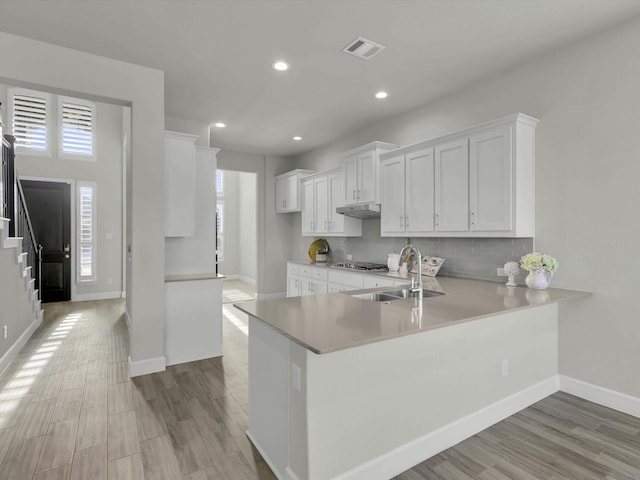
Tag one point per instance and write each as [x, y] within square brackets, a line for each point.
[293, 280]
[371, 282]
[311, 280]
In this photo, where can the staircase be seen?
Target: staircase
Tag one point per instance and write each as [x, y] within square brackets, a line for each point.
[20, 304]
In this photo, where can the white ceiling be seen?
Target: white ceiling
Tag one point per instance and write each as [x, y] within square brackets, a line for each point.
[217, 55]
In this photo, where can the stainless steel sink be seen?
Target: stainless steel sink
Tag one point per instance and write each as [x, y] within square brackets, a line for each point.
[391, 295]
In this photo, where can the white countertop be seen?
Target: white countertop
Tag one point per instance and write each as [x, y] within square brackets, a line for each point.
[336, 321]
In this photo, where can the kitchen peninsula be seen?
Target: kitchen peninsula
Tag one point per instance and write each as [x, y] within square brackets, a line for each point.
[342, 387]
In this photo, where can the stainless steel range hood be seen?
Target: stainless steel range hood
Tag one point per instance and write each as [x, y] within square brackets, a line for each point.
[363, 211]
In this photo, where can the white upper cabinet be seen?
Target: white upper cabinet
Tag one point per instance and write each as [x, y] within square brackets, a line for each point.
[452, 186]
[180, 184]
[491, 180]
[419, 194]
[475, 183]
[406, 189]
[323, 193]
[392, 186]
[361, 172]
[288, 197]
[308, 208]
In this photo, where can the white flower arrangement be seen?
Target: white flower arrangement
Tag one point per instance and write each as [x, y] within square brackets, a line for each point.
[539, 262]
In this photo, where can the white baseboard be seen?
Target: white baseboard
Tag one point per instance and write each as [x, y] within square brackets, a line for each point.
[144, 367]
[600, 395]
[17, 346]
[188, 357]
[250, 281]
[267, 460]
[402, 458]
[268, 296]
[84, 297]
[123, 294]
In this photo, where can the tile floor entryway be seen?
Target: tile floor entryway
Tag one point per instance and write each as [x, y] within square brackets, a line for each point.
[236, 291]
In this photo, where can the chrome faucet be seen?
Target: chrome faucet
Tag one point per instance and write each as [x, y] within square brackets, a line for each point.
[416, 283]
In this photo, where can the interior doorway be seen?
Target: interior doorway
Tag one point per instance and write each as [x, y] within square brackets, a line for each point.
[237, 247]
[49, 205]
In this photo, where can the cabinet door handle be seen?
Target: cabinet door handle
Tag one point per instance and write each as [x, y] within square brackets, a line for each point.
[473, 218]
[401, 225]
[354, 195]
[406, 222]
[437, 219]
[358, 194]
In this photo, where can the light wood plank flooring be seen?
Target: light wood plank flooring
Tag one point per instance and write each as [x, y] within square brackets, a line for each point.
[69, 411]
[559, 438]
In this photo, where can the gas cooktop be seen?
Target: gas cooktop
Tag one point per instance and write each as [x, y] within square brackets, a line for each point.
[370, 267]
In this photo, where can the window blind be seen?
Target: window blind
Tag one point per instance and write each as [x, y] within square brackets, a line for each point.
[30, 121]
[86, 233]
[77, 129]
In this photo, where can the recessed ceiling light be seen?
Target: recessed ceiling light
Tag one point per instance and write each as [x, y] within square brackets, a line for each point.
[297, 138]
[281, 66]
[382, 95]
[220, 125]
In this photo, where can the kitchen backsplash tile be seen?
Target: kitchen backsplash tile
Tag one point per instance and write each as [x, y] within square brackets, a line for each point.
[465, 257]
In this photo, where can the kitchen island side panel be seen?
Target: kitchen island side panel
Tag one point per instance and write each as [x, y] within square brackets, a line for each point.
[362, 403]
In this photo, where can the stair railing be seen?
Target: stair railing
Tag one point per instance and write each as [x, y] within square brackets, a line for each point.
[15, 209]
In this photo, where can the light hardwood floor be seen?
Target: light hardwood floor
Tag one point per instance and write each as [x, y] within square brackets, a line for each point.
[69, 411]
[559, 438]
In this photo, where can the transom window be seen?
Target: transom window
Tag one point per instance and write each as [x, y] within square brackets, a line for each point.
[30, 119]
[77, 134]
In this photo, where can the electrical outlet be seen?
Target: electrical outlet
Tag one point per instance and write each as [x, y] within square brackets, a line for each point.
[501, 272]
[349, 257]
[505, 367]
[6, 331]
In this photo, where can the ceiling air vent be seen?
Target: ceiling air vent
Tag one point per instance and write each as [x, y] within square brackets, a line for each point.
[363, 48]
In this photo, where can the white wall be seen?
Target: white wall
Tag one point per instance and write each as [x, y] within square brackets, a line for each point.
[587, 170]
[247, 225]
[197, 253]
[192, 127]
[240, 244]
[106, 171]
[40, 65]
[274, 231]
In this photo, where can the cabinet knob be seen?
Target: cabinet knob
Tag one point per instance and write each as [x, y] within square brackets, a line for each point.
[437, 219]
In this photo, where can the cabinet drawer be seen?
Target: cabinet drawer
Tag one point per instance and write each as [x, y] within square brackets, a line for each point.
[371, 282]
[347, 279]
[320, 273]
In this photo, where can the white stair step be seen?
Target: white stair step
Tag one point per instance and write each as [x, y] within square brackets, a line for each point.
[31, 284]
[13, 242]
[27, 272]
[22, 258]
[4, 223]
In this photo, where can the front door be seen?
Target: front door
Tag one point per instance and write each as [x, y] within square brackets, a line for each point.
[49, 205]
